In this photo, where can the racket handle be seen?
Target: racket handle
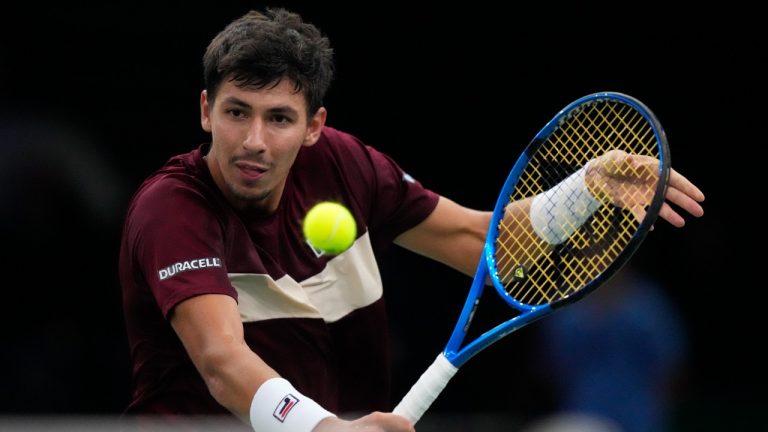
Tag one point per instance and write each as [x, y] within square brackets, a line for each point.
[426, 389]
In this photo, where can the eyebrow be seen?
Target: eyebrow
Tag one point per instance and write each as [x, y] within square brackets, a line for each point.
[235, 101]
[286, 110]
[281, 109]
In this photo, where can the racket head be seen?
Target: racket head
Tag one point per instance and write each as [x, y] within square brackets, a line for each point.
[585, 129]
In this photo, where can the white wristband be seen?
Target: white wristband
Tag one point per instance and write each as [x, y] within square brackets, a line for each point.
[278, 407]
[557, 213]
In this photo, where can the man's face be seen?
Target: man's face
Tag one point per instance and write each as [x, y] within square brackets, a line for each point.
[256, 135]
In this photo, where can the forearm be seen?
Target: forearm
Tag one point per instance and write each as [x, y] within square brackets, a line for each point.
[532, 226]
[463, 248]
[523, 246]
[233, 374]
[210, 328]
[452, 234]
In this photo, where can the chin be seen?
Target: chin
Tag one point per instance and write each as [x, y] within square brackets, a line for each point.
[249, 196]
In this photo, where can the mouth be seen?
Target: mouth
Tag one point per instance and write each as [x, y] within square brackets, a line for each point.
[249, 171]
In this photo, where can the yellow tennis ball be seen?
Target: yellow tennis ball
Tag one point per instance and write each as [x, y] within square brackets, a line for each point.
[330, 227]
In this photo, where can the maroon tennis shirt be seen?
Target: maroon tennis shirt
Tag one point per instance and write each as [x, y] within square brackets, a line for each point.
[318, 320]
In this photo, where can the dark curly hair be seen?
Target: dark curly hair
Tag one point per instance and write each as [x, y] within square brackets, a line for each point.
[260, 49]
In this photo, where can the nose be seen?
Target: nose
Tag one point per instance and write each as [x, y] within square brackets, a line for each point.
[255, 140]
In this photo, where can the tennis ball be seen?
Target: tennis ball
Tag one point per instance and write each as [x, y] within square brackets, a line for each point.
[330, 227]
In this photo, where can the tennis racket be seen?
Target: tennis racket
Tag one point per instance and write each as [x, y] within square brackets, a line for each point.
[548, 244]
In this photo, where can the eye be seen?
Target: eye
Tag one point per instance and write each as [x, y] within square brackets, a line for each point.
[281, 119]
[235, 113]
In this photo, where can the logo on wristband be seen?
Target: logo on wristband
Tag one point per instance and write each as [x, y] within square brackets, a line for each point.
[285, 406]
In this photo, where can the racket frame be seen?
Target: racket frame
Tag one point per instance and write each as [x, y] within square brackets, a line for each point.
[458, 355]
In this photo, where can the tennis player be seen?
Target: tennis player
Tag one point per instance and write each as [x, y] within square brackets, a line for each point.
[228, 310]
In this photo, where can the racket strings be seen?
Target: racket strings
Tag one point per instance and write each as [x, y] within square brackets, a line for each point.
[534, 272]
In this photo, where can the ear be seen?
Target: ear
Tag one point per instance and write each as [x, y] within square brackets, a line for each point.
[315, 126]
[205, 112]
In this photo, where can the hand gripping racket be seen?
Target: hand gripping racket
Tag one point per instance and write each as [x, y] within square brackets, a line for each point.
[549, 244]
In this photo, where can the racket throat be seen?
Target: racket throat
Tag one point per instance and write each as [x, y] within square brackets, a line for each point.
[471, 304]
[465, 329]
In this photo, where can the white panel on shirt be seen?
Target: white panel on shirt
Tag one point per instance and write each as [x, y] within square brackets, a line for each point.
[350, 281]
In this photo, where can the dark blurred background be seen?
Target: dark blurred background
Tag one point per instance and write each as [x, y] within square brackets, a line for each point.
[94, 98]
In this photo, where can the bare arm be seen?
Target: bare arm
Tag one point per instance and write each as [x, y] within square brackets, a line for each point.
[627, 180]
[210, 328]
[452, 234]
[212, 333]
[455, 235]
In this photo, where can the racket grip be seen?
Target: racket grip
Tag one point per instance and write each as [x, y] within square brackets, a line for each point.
[427, 388]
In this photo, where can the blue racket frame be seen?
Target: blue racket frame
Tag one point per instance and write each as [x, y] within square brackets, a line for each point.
[453, 351]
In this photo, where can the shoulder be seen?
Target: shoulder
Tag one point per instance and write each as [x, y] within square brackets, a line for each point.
[172, 211]
[336, 151]
[348, 150]
[341, 144]
[335, 136]
[178, 188]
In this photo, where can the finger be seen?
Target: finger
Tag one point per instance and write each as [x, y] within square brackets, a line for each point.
[684, 201]
[678, 181]
[638, 211]
[646, 171]
[612, 164]
[671, 216]
[650, 161]
[639, 167]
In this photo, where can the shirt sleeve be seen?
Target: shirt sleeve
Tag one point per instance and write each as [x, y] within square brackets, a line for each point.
[178, 243]
[393, 200]
[400, 201]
